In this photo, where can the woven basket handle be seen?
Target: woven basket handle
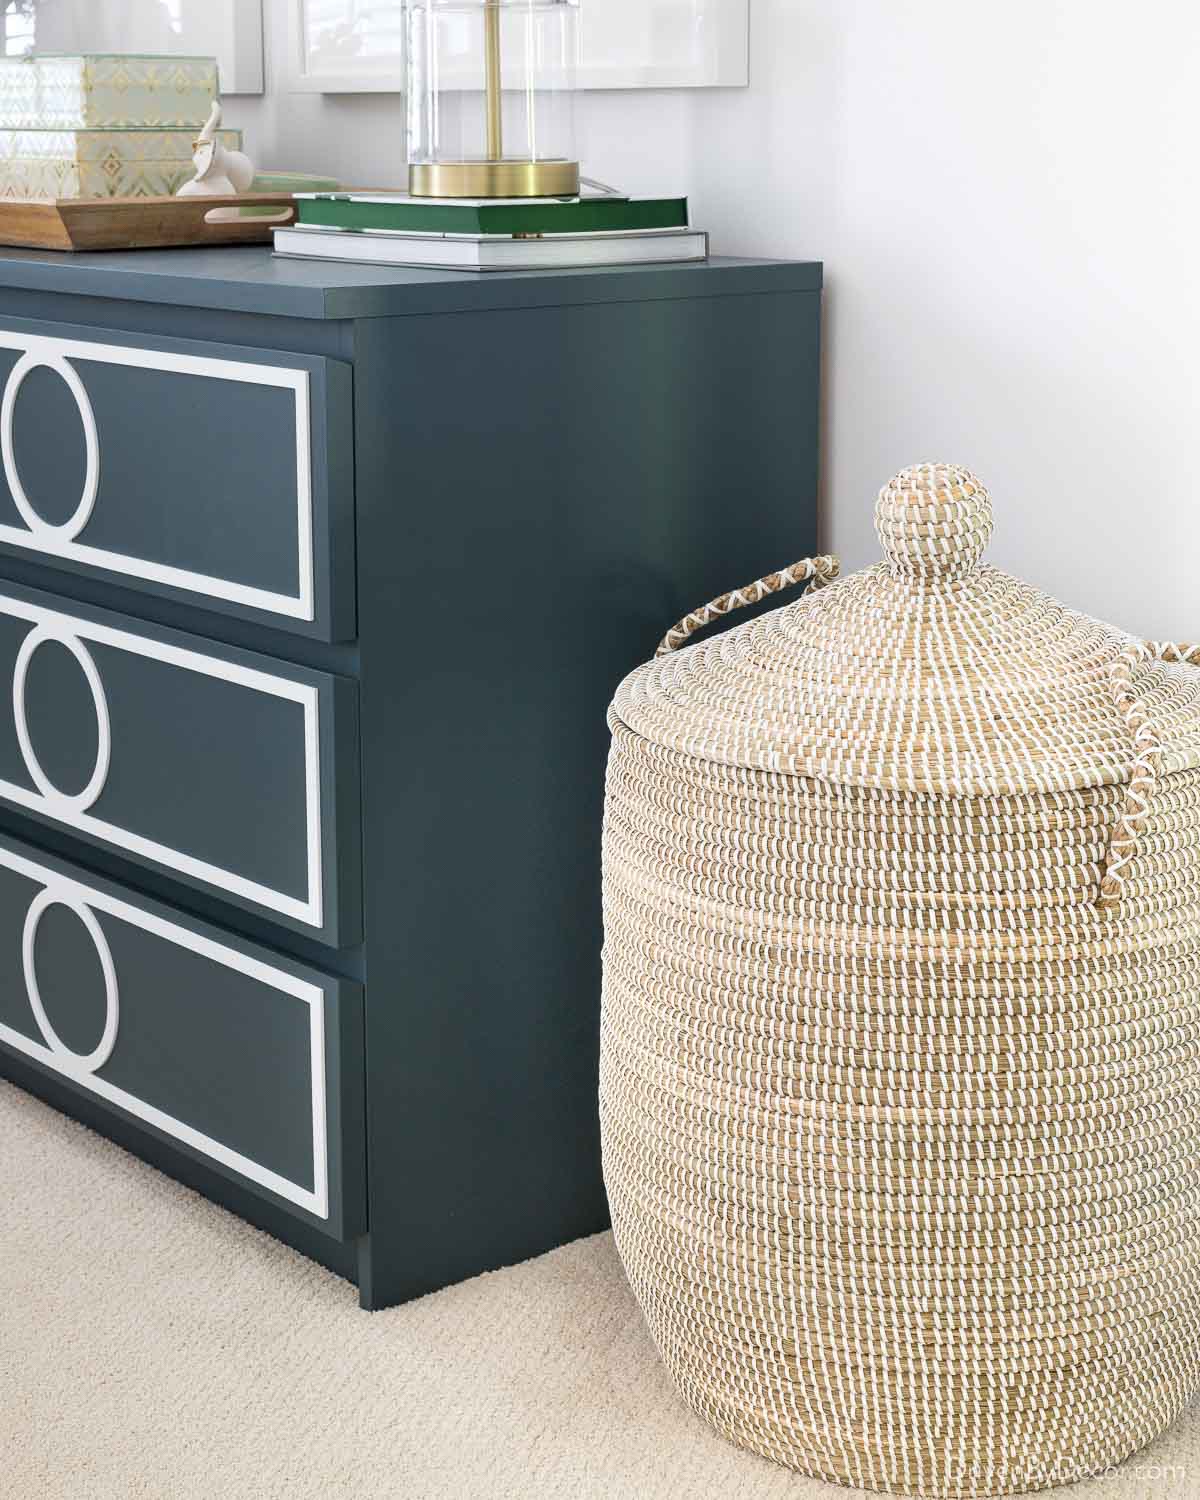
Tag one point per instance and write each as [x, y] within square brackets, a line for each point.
[815, 570]
[1148, 760]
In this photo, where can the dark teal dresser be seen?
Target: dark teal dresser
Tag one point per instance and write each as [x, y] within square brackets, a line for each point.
[315, 583]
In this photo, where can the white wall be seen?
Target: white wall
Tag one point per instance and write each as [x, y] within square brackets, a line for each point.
[1007, 201]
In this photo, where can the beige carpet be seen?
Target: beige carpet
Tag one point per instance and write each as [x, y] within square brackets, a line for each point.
[152, 1345]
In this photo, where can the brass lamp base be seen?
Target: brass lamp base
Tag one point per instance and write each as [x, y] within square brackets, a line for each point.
[494, 179]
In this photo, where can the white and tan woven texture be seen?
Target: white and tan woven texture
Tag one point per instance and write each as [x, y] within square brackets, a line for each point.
[900, 1080]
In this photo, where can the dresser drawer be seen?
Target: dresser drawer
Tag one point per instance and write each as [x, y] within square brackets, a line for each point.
[233, 772]
[219, 476]
[241, 1058]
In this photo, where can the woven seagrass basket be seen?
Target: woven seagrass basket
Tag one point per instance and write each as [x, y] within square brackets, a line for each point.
[900, 1081]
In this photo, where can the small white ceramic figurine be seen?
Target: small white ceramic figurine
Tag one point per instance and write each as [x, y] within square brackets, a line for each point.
[220, 173]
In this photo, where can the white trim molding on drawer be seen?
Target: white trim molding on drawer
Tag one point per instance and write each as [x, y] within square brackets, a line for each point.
[73, 809]
[59, 540]
[86, 902]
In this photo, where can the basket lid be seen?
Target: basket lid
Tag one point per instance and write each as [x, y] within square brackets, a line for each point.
[930, 671]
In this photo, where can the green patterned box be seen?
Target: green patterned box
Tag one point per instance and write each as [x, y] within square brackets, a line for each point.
[98, 163]
[106, 91]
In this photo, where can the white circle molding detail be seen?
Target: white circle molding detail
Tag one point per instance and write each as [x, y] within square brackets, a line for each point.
[70, 528]
[59, 802]
[78, 1062]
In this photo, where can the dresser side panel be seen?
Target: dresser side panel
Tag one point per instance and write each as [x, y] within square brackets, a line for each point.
[540, 494]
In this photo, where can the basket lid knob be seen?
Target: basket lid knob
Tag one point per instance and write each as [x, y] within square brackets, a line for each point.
[933, 521]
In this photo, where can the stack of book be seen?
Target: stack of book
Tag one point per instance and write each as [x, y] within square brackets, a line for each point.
[506, 234]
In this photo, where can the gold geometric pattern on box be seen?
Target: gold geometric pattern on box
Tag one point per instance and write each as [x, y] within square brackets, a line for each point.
[98, 163]
[106, 92]
[900, 1081]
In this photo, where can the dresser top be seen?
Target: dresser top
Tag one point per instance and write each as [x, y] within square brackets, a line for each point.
[251, 279]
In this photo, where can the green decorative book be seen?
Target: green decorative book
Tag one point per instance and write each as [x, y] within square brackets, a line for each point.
[503, 217]
[293, 182]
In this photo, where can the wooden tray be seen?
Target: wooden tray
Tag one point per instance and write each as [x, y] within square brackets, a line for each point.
[141, 223]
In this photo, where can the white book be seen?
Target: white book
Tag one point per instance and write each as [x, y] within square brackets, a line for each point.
[470, 252]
